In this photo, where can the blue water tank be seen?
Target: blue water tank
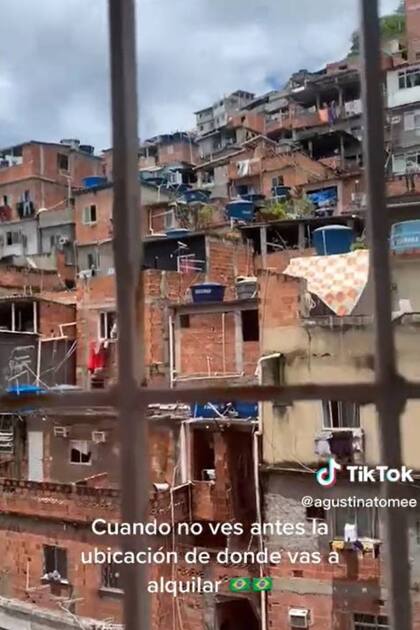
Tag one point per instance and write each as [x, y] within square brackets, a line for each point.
[333, 239]
[25, 389]
[405, 236]
[255, 197]
[246, 410]
[92, 182]
[208, 410]
[240, 210]
[87, 148]
[196, 196]
[177, 232]
[281, 192]
[207, 292]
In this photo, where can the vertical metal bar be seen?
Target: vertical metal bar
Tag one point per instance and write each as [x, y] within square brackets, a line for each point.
[128, 254]
[390, 402]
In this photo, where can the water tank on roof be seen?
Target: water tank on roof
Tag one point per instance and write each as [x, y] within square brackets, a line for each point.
[208, 292]
[240, 210]
[333, 239]
[87, 148]
[196, 196]
[177, 232]
[208, 410]
[281, 192]
[93, 182]
[246, 410]
[74, 143]
[405, 236]
[246, 287]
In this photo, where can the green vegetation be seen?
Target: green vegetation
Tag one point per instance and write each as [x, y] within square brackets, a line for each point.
[392, 26]
[204, 216]
[359, 243]
[290, 208]
[277, 210]
[303, 206]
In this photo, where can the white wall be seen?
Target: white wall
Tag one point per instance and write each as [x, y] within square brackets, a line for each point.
[395, 96]
[27, 227]
[35, 456]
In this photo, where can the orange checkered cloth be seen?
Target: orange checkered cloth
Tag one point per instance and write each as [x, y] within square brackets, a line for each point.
[338, 280]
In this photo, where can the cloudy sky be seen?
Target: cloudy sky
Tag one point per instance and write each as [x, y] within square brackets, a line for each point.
[54, 59]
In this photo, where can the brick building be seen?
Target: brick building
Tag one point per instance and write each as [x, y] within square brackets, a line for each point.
[213, 462]
[37, 180]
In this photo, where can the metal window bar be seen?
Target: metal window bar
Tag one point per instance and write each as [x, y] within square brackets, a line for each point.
[389, 391]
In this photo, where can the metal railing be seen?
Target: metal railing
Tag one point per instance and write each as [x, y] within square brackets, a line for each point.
[389, 391]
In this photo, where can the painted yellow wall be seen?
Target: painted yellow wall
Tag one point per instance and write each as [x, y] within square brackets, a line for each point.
[322, 355]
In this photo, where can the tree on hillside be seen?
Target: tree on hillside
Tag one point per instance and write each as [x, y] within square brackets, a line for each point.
[391, 27]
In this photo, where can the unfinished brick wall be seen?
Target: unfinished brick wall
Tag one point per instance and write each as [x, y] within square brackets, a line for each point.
[211, 345]
[226, 261]
[332, 593]
[40, 160]
[251, 121]
[208, 345]
[231, 496]
[65, 272]
[295, 168]
[93, 295]
[43, 194]
[175, 152]
[101, 230]
[279, 294]
[21, 279]
[52, 314]
[105, 456]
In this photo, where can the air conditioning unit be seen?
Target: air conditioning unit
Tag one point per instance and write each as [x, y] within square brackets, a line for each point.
[298, 618]
[61, 431]
[98, 437]
[63, 240]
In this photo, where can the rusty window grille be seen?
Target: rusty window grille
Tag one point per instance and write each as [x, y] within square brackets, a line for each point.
[389, 391]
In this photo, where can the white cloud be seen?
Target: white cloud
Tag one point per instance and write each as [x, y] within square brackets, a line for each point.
[54, 62]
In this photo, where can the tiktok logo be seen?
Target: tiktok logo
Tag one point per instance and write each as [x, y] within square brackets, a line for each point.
[327, 476]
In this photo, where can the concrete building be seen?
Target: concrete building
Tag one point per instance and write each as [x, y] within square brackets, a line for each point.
[93, 225]
[36, 175]
[403, 100]
[304, 340]
[213, 131]
[37, 181]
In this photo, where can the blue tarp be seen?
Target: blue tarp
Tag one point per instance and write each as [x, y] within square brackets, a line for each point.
[323, 198]
[25, 389]
[229, 410]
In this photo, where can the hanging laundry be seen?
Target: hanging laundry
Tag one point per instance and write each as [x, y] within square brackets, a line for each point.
[243, 167]
[332, 113]
[97, 357]
[338, 280]
[322, 444]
